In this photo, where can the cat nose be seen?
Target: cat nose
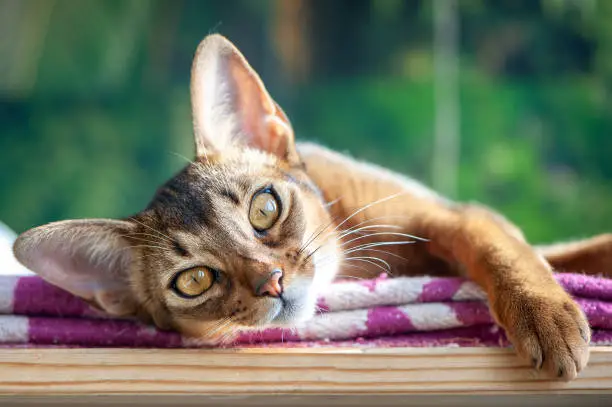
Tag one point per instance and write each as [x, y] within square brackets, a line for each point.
[272, 286]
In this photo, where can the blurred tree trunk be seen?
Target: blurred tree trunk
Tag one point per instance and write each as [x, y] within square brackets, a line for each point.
[23, 29]
[447, 120]
[290, 38]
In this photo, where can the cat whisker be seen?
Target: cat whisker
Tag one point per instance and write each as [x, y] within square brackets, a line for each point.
[375, 228]
[157, 237]
[330, 234]
[140, 239]
[344, 264]
[311, 238]
[385, 217]
[322, 259]
[154, 230]
[366, 244]
[332, 203]
[145, 245]
[228, 334]
[376, 244]
[379, 234]
[219, 326]
[372, 220]
[383, 233]
[367, 271]
[373, 258]
[367, 261]
[378, 251]
[316, 234]
[215, 326]
[181, 156]
[322, 262]
[353, 277]
[365, 207]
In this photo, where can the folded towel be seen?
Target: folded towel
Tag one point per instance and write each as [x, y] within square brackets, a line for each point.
[383, 312]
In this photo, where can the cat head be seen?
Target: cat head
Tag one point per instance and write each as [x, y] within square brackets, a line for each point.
[241, 237]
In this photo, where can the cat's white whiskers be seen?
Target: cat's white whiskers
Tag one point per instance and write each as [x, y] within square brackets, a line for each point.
[365, 207]
[387, 267]
[153, 229]
[387, 217]
[353, 277]
[219, 326]
[140, 239]
[376, 244]
[181, 156]
[355, 266]
[347, 264]
[332, 203]
[159, 238]
[373, 258]
[375, 228]
[378, 251]
[366, 261]
[314, 236]
[327, 257]
[381, 243]
[322, 263]
[145, 245]
[379, 234]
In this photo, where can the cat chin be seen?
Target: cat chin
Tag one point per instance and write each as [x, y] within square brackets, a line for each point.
[298, 306]
[301, 297]
[292, 315]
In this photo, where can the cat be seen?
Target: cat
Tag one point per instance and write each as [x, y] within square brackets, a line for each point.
[249, 233]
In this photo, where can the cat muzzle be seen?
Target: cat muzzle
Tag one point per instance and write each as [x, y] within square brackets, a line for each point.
[271, 287]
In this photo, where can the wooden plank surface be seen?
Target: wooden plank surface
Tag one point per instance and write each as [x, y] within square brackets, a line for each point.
[254, 374]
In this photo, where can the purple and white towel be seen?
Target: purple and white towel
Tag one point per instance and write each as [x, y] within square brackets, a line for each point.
[383, 312]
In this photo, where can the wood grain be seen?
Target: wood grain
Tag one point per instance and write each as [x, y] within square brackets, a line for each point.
[292, 372]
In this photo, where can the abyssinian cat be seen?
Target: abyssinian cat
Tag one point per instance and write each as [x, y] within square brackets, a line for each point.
[248, 233]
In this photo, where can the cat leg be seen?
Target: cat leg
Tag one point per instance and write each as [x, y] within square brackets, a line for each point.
[591, 256]
[545, 325]
[543, 322]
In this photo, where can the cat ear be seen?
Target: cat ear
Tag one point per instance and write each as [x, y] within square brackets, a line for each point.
[231, 105]
[88, 258]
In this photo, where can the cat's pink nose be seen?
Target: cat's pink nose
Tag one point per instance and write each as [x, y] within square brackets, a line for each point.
[272, 286]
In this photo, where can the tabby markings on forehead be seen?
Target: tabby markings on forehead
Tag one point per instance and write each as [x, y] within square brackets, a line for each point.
[180, 250]
[231, 195]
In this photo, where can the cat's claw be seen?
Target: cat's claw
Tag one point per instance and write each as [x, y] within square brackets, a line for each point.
[550, 331]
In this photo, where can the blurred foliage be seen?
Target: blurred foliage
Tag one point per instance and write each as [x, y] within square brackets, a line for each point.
[94, 109]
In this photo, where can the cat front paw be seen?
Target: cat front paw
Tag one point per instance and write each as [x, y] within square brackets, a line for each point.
[548, 330]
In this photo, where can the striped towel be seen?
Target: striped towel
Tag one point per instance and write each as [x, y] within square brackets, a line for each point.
[383, 312]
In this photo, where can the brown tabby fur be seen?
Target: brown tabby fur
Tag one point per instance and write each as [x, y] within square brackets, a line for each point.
[339, 216]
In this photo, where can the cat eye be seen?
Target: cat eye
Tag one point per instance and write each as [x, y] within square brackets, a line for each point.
[193, 282]
[264, 210]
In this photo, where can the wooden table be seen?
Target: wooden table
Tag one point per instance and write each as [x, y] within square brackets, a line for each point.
[336, 376]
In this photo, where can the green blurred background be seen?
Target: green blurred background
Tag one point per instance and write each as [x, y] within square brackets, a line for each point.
[504, 102]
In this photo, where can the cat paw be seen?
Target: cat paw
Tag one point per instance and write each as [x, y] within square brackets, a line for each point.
[550, 331]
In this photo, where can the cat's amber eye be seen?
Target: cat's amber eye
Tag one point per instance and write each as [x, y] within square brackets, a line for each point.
[194, 281]
[264, 210]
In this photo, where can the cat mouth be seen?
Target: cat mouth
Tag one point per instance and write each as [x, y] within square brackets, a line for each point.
[291, 311]
[285, 314]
